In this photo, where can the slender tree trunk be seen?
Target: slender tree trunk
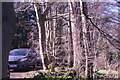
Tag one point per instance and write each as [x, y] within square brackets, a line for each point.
[54, 28]
[40, 40]
[72, 25]
[47, 36]
[70, 44]
[75, 40]
[85, 43]
[86, 40]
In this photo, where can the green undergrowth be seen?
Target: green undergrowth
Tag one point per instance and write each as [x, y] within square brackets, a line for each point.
[49, 76]
[69, 74]
[59, 74]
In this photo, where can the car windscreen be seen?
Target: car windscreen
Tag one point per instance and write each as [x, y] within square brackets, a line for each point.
[18, 52]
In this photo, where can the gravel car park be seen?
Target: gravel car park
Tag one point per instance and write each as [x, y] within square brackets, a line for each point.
[23, 59]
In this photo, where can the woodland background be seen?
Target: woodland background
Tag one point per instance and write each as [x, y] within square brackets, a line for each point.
[83, 37]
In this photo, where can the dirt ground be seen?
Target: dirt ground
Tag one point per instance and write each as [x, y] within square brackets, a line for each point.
[25, 74]
[29, 74]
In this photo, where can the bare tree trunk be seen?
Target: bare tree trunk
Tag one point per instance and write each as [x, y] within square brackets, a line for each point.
[85, 42]
[70, 44]
[54, 28]
[40, 40]
[75, 40]
[72, 25]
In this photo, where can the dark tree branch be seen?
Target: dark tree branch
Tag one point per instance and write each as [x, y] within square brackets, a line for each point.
[112, 40]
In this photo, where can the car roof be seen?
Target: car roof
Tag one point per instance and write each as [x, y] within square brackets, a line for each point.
[20, 49]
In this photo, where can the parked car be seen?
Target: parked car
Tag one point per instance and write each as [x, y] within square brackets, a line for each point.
[23, 59]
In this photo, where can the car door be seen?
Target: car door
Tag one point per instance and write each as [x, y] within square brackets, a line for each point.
[32, 56]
